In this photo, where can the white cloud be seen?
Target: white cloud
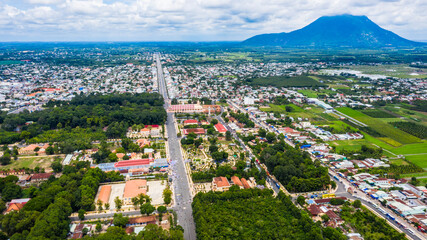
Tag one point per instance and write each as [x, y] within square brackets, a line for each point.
[44, 2]
[193, 19]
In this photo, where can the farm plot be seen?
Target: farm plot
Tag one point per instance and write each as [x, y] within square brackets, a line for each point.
[381, 127]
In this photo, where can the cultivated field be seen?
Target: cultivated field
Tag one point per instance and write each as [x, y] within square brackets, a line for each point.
[392, 134]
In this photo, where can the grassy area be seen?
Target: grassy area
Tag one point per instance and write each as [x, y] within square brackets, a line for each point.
[381, 127]
[415, 148]
[395, 70]
[281, 108]
[420, 160]
[398, 161]
[350, 144]
[409, 114]
[285, 81]
[409, 175]
[308, 93]
[340, 125]
[30, 162]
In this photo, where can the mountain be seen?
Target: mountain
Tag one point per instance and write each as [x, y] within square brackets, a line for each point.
[335, 31]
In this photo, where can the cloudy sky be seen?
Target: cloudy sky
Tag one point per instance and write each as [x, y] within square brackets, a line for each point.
[192, 20]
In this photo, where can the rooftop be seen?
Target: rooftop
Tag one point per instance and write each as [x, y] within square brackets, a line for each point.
[135, 187]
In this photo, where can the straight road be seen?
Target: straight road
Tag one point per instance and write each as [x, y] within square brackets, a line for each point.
[181, 186]
[248, 150]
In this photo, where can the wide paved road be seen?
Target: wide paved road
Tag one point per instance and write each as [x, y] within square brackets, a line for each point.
[180, 184]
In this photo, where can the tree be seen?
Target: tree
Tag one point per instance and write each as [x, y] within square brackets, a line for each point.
[99, 203]
[167, 196]
[135, 202]
[98, 227]
[262, 132]
[11, 191]
[325, 218]
[161, 210]
[414, 181]
[301, 200]
[357, 203]
[119, 220]
[85, 231]
[337, 201]
[107, 206]
[147, 208]
[56, 166]
[214, 121]
[82, 213]
[119, 203]
[271, 137]
[228, 136]
[5, 159]
[2, 205]
[288, 109]
[50, 150]
[112, 157]
[153, 232]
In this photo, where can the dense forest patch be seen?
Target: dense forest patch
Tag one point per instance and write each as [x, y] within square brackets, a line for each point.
[254, 214]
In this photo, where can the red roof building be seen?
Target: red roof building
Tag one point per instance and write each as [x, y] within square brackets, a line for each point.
[245, 183]
[197, 131]
[14, 207]
[220, 128]
[190, 122]
[236, 181]
[104, 193]
[220, 184]
[129, 163]
[41, 176]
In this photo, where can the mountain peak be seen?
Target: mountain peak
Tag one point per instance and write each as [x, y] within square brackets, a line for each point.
[343, 30]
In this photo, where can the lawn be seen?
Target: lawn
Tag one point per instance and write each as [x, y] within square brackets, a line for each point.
[415, 148]
[409, 175]
[309, 93]
[281, 108]
[285, 81]
[30, 162]
[420, 160]
[410, 114]
[340, 125]
[351, 144]
[398, 162]
[381, 127]
[395, 70]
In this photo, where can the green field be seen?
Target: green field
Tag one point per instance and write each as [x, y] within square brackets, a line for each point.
[420, 160]
[381, 127]
[312, 113]
[375, 113]
[415, 148]
[409, 175]
[30, 162]
[395, 70]
[409, 114]
[285, 81]
[350, 145]
[281, 108]
[308, 93]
